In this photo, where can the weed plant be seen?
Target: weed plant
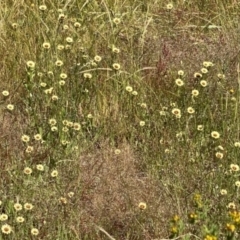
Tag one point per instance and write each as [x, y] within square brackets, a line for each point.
[120, 120]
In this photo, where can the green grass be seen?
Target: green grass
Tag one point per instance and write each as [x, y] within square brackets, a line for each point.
[93, 84]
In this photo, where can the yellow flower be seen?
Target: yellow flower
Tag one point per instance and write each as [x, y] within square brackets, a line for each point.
[17, 206]
[77, 24]
[63, 200]
[5, 93]
[40, 167]
[54, 173]
[46, 45]
[25, 138]
[6, 229]
[142, 123]
[215, 134]
[169, 6]
[204, 70]
[142, 205]
[179, 82]
[87, 75]
[31, 64]
[117, 151]
[54, 97]
[20, 219]
[42, 7]
[230, 227]
[37, 137]
[27, 171]
[203, 83]
[180, 73]
[10, 107]
[116, 66]
[69, 39]
[28, 206]
[237, 144]
[52, 121]
[195, 93]
[116, 20]
[115, 49]
[76, 126]
[60, 47]
[197, 75]
[129, 89]
[190, 110]
[70, 194]
[63, 75]
[234, 167]
[34, 231]
[176, 111]
[3, 217]
[29, 149]
[231, 205]
[219, 155]
[237, 184]
[223, 192]
[59, 63]
[97, 58]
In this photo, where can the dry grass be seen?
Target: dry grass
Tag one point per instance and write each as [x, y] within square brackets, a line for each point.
[163, 161]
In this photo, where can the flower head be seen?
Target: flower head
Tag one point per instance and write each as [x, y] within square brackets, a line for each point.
[117, 151]
[197, 75]
[234, 168]
[116, 20]
[76, 126]
[215, 134]
[142, 205]
[31, 64]
[195, 92]
[29, 149]
[59, 63]
[46, 45]
[3, 217]
[34, 231]
[10, 107]
[27, 171]
[6, 229]
[129, 89]
[63, 75]
[87, 75]
[20, 219]
[219, 155]
[116, 66]
[180, 73]
[5, 93]
[43, 7]
[17, 206]
[169, 6]
[37, 137]
[204, 70]
[40, 167]
[54, 173]
[69, 39]
[25, 138]
[223, 192]
[77, 24]
[28, 206]
[190, 110]
[179, 82]
[203, 83]
[97, 58]
[142, 123]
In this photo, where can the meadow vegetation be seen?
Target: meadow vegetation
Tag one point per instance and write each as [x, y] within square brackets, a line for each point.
[120, 119]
